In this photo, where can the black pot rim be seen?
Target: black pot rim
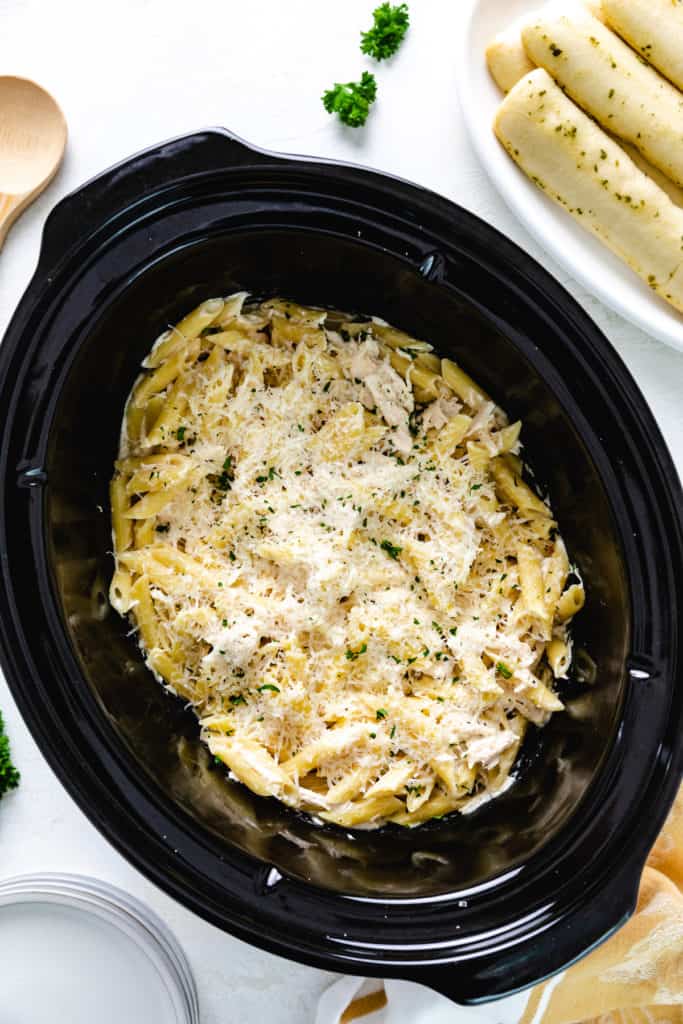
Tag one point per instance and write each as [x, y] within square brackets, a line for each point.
[292, 918]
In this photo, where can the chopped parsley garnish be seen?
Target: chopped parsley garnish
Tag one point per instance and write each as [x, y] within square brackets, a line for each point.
[239, 699]
[393, 550]
[453, 630]
[222, 482]
[268, 686]
[351, 101]
[380, 713]
[270, 475]
[180, 433]
[503, 670]
[352, 655]
[390, 24]
[393, 732]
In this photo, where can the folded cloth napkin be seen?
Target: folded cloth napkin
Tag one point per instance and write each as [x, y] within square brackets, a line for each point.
[636, 977]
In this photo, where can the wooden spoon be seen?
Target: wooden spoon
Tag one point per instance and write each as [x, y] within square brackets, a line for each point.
[32, 141]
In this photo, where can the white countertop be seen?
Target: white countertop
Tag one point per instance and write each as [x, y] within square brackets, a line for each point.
[132, 73]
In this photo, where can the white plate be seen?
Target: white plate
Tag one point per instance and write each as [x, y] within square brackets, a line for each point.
[77, 950]
[583, 256]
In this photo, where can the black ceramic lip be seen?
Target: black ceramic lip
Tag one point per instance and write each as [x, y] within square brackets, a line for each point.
[496, 937]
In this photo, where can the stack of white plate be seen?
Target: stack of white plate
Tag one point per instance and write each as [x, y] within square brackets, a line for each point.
[77, 950]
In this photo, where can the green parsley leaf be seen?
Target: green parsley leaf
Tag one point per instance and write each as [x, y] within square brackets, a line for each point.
[9, 776]
[503, 670]
[268, 686]
[390, 24]
[393, 550]
[380, 713]
[352, 655]
[351, 101]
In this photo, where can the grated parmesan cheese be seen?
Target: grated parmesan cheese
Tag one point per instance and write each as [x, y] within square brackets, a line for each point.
[321, 570]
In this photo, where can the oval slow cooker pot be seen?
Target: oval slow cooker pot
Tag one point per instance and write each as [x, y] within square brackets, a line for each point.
[476, 907]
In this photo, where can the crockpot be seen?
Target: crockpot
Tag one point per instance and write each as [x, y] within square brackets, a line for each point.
[475, 906]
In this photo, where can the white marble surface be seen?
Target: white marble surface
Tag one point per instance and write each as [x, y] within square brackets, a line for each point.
[138, 71]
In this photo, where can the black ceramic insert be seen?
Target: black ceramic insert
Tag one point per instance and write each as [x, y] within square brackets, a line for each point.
[476, 906]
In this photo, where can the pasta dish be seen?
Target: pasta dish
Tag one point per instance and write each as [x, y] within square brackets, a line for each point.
[324, 541]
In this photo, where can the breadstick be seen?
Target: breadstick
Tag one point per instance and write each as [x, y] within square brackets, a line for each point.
[653, 28]
[609, 81]
[579, 166]
[507, 59]
[508, 62]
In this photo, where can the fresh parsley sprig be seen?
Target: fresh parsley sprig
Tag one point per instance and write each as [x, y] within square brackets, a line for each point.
[351, 101]
[9, 776]
[390, 24]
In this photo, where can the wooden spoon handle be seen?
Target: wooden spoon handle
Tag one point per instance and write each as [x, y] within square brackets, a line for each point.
[10, 208]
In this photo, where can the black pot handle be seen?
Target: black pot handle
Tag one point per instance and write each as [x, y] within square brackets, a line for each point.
[120, 188]
[605, 911]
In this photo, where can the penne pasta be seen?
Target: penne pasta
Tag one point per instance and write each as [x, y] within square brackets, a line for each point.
[360, 812]
[462, 384]
[571, 602]
[189, 328]
[326, 548]
[513, 490]
[559, 657]
[118, 498]
[251, 763]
